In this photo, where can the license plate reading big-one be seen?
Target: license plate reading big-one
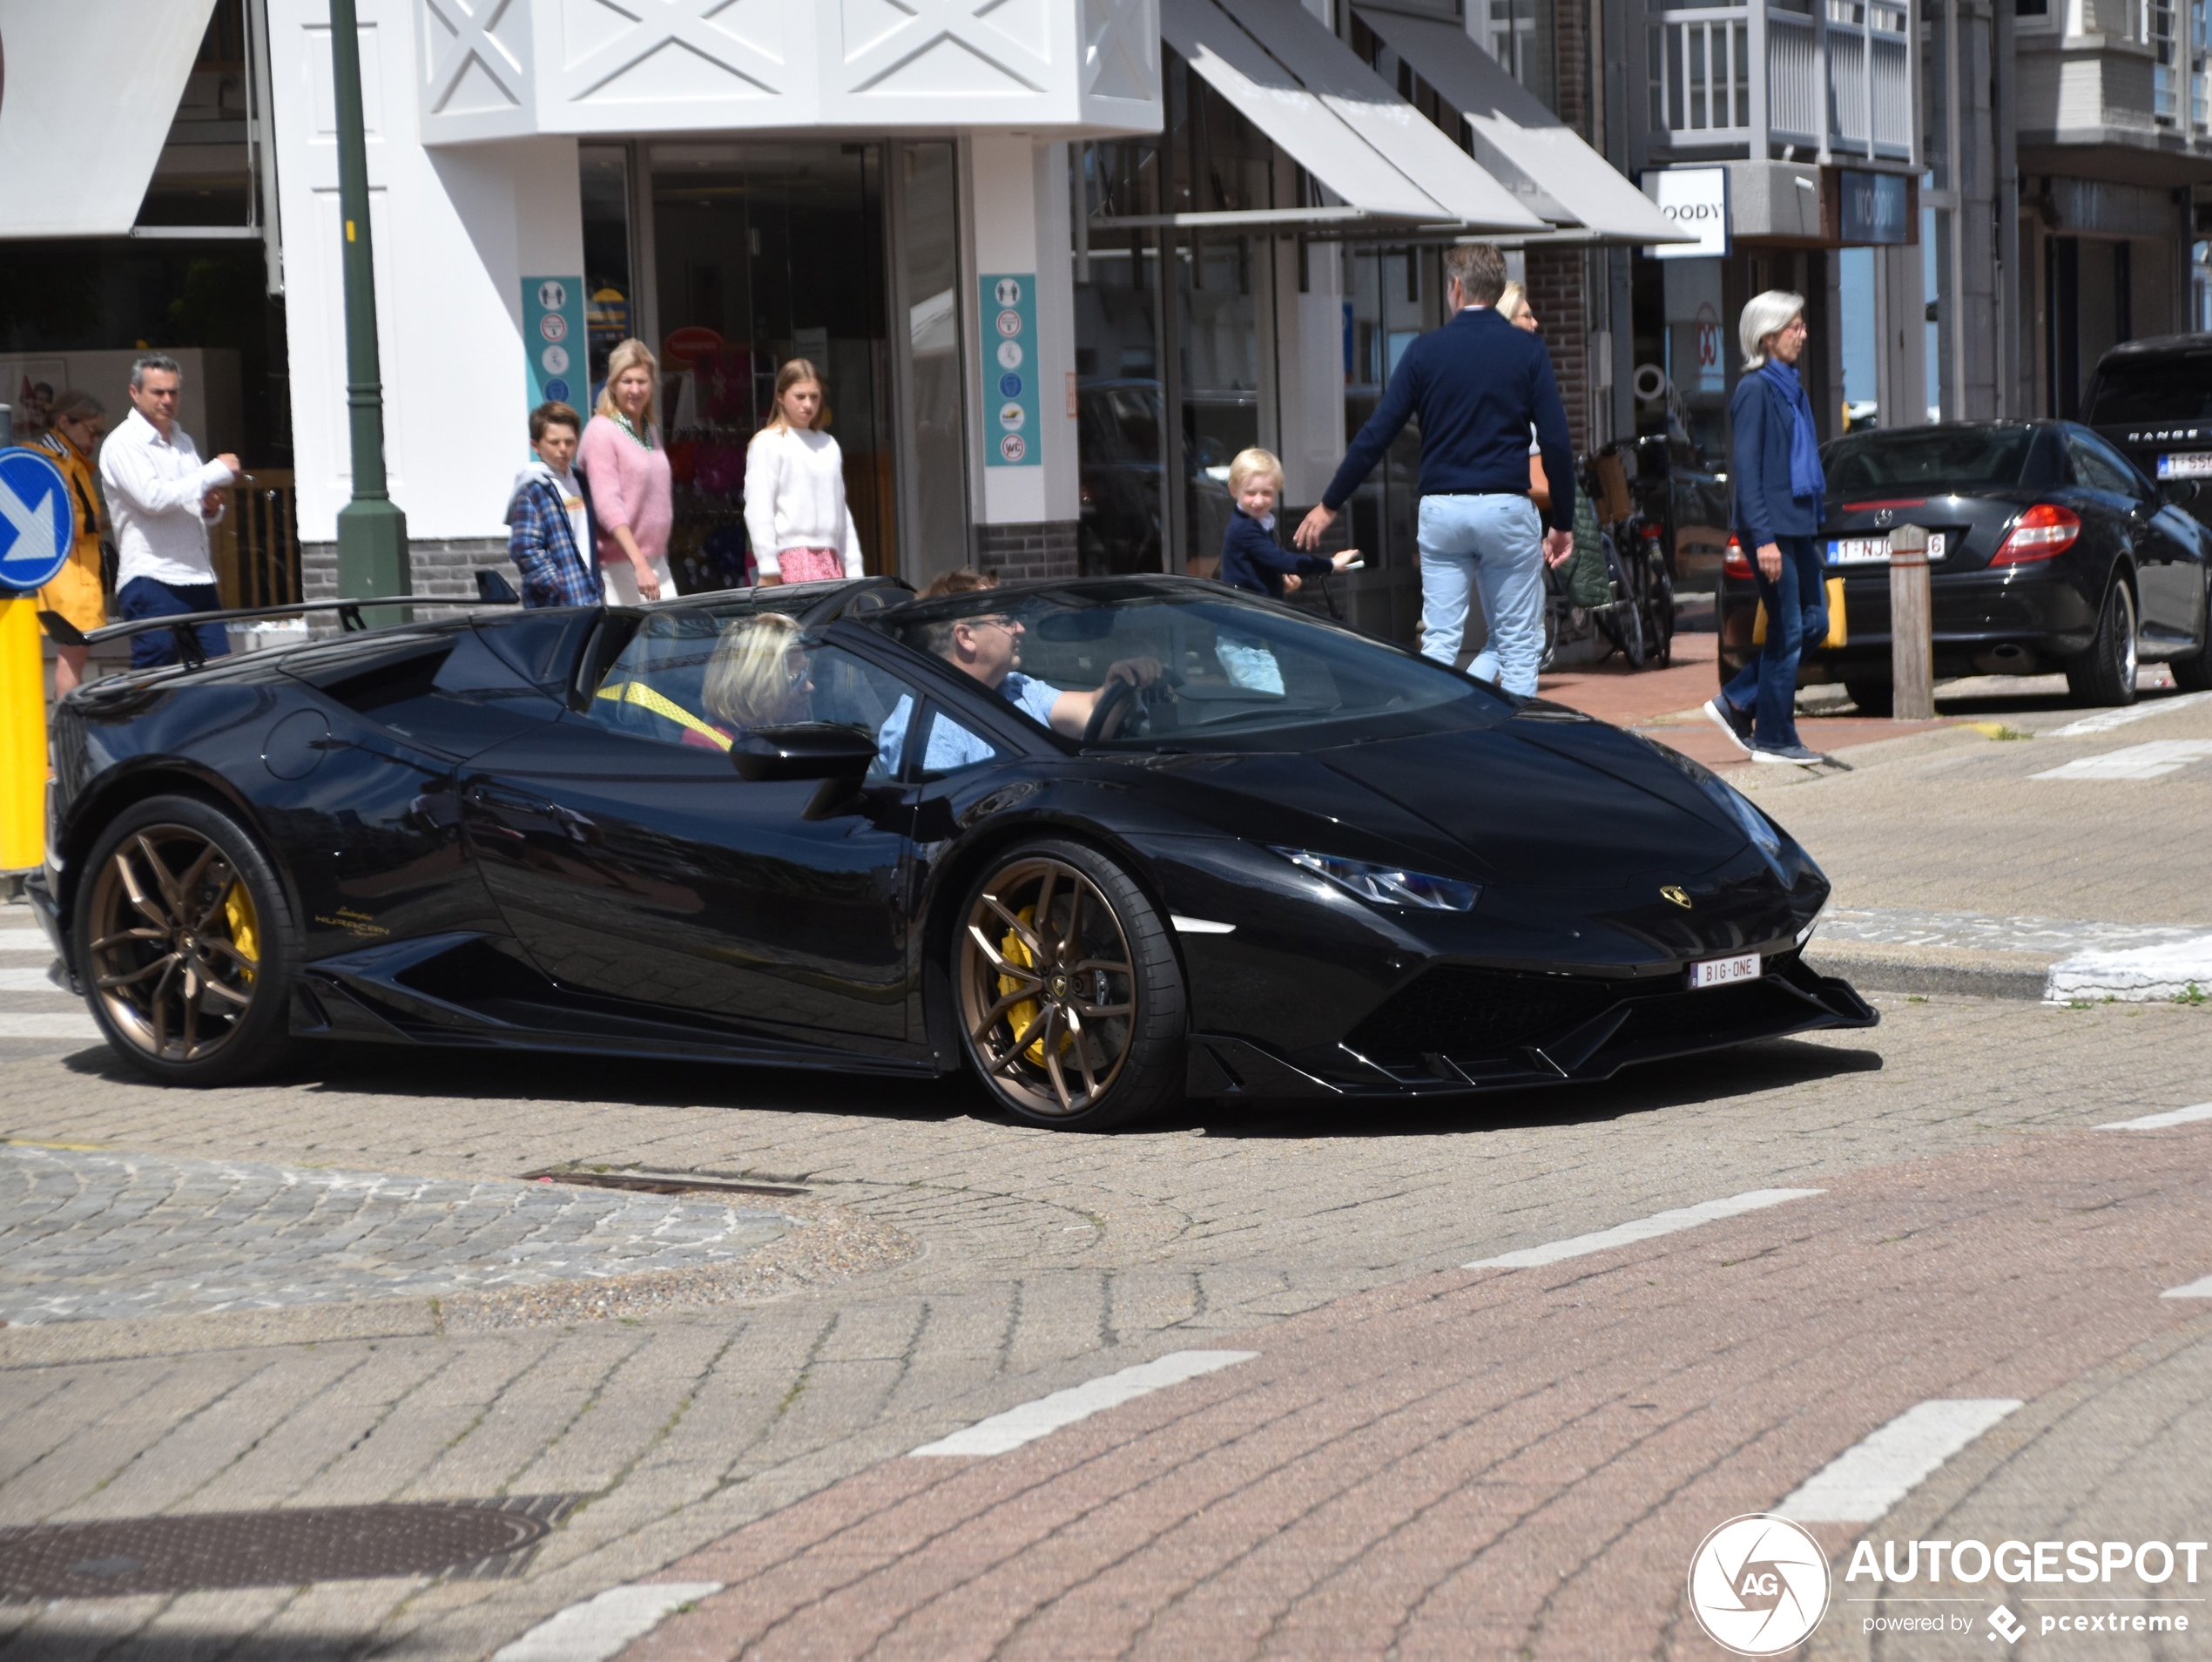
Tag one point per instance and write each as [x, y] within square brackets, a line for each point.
[1718, 972]
[1874, 551]
[2188, 465]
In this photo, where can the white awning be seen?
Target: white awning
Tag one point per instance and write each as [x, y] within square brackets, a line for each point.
[1331, 116]
[1507, 117]
[92, 86]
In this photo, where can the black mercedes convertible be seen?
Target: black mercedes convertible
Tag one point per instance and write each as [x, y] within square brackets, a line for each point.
[1109, 843]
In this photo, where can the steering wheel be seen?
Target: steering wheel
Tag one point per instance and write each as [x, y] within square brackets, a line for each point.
[1110, 714]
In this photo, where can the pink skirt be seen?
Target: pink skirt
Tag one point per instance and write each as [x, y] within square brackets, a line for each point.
[811, 564]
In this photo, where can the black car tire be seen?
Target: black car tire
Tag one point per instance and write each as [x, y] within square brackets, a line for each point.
[2106, 673]
[1108, 959]
[1873, 697]
[2194, 673]
[185, 945]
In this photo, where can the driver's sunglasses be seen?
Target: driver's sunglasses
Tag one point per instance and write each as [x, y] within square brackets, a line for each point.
[999, 619]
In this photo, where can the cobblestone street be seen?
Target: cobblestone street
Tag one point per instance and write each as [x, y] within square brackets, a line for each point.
[350, 1287]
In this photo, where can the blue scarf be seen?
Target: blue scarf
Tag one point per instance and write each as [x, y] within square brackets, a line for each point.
[1806, 480]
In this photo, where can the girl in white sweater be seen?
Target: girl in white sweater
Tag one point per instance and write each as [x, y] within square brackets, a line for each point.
[795, 489]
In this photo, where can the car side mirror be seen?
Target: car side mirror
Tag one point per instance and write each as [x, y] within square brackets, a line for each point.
[822, 750]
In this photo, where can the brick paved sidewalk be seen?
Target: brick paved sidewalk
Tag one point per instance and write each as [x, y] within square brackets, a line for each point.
[1508, 1463]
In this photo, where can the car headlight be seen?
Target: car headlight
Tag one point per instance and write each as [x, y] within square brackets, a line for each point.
[1388, 885]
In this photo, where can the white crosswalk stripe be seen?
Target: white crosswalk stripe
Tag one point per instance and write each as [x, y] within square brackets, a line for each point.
[31, 1006]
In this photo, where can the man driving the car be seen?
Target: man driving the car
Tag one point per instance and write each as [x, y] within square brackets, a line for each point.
[988, 648]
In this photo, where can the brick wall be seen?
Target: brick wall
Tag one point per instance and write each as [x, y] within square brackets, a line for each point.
[441, 570]
[1558, 291]
[1041, 549]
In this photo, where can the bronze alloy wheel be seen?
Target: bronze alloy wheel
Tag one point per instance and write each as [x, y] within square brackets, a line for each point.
[175, 959]
[1048, 987]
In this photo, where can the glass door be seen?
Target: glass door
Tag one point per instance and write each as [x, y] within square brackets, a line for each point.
[765, 252]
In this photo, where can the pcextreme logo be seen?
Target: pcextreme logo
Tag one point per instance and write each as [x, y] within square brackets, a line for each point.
[1758, 1584]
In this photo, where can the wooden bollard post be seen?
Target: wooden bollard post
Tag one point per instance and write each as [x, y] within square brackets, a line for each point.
[1912, 626]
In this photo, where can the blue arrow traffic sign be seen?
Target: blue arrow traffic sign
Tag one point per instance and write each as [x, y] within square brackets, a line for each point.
[37, 527]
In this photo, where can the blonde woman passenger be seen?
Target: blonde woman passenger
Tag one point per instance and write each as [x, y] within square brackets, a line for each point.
[795, 515]
[757, 676]
[633, 494]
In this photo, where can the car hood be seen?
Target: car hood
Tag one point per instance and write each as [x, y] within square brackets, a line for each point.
[1550, 798]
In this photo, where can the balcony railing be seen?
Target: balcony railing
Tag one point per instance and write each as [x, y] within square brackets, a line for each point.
[1835, 81]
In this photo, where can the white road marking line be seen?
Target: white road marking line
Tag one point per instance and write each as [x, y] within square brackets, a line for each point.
[597, 1628]
[16, 980]
[1200, 925]
[2194, 1290]
[1030, 1422]
[2188, 1116]
[1871, 1476]
[2110, 719]
[1626, 1234]
[2150, 975]
[62, 1025]
[2153, 760]
[26, 941]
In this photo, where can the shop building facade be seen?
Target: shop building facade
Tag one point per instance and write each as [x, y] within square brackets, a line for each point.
[1058, 260]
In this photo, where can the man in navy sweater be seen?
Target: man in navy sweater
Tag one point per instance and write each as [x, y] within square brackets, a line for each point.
[1478, 385]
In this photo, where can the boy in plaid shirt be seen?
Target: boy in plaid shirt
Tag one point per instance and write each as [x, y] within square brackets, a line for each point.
[548, 517]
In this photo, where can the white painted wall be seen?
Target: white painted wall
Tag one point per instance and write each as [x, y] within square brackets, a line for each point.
[454, 233]
[490, 71]
[1310, 368]
[1019, 190]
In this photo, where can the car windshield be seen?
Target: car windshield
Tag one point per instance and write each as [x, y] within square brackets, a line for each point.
[1217, 671]
[1961, 459]
[2146, 387]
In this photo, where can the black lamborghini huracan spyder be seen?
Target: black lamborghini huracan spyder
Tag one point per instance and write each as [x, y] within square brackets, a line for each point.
[1109, 842]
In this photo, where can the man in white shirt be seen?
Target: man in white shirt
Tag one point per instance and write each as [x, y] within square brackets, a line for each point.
[162, 498]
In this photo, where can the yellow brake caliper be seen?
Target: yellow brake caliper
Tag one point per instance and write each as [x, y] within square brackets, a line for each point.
[237, 911]
[1025, 1012]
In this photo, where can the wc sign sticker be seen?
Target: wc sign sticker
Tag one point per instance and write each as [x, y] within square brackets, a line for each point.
[559, 372]
[1008, 339]
[1695, 200]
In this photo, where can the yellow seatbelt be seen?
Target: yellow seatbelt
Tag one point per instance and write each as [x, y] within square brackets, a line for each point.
[638, 693]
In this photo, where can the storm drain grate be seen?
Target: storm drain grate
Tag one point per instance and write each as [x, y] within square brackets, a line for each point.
[663, 1182]
[116, 1558]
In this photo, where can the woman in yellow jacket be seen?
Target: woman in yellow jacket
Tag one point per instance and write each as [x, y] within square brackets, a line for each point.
[72, 444]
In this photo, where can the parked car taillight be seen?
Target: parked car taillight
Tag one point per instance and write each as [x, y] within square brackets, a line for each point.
[1736, 563]
[2044, 532]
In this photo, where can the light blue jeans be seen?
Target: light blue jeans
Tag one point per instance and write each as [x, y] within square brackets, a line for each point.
[1493, 543]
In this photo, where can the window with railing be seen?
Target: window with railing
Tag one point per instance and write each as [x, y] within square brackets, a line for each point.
[1700, 70]
[2166, 61]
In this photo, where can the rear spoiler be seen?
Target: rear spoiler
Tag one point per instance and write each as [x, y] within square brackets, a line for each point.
[492, 590]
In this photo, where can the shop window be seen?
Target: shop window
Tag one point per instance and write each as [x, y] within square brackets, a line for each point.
[603, 178]
[763, 252]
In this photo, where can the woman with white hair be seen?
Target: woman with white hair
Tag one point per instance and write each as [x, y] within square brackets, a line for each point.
[1778, 486]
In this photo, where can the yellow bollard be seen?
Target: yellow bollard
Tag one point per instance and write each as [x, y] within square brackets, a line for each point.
[22, 736]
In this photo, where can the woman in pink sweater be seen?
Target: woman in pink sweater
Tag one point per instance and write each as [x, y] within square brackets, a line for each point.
[632, 494]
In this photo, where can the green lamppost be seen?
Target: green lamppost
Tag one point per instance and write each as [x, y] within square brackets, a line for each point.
[372, 532]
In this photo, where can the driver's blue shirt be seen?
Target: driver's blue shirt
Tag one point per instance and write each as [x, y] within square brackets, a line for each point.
[952, 746]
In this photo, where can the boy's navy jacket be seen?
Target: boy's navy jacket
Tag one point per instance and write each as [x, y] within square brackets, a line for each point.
[1477, 384]
[1760, 420]
[1253, 559]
